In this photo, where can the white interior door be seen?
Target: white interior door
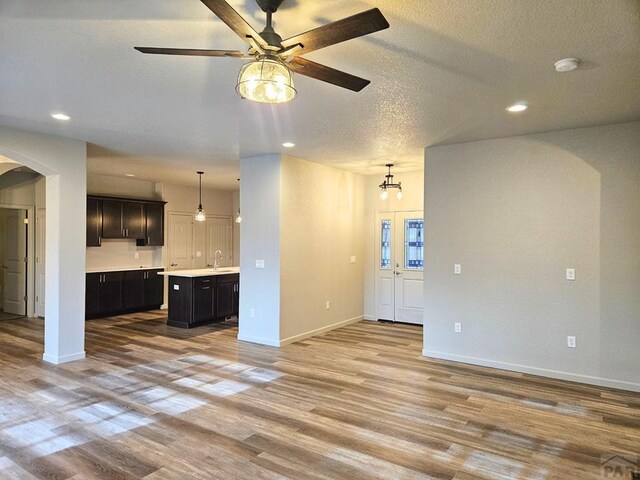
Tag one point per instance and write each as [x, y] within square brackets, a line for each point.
[15, 266]
[399, 266]
[219, 237]
[180, 241]
[40, 260]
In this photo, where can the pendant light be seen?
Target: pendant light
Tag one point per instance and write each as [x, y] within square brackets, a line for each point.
[201, 216]
[388, 183]
[238, 216]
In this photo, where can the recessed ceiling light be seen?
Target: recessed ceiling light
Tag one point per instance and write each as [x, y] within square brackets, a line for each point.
[518, 107]
[60, 116]
[288, 144]
[130, 174]
[566, 64]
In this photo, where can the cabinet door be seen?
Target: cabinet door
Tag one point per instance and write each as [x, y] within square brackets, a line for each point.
[112, 219]
[92, 294]
[133, 287]
[225, 293]
[202, 303]
[153, 289]
[236, 298]
[94, 222]
[133, 219]
[155, 224]
[111, 293]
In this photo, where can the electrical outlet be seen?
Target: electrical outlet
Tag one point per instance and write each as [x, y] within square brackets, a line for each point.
[328, 305]
[136, 255]
[571, 273]
[457, 269]
[571, 342]
[176, 287]
[252, 312]
[457, 327]
[198, 254]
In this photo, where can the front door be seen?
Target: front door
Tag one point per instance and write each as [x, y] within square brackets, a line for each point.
[15, 266]
[399, 266]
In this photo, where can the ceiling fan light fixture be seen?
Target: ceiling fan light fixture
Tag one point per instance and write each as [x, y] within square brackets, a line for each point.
[266, 80]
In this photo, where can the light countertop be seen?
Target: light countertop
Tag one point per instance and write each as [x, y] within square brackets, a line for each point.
[202, 272]
[121, 269]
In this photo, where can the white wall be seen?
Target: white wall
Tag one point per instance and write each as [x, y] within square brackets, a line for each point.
[516, 212]
[413, 190]
[63, 161]
[236, 228]
[260, 288]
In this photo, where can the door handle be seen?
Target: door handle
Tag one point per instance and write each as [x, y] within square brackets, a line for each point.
[173, 265]
[398, 273]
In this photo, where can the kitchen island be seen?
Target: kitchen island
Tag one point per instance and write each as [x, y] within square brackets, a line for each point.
[203, 296]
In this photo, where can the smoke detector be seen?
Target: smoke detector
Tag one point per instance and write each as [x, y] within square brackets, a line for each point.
[566, 64]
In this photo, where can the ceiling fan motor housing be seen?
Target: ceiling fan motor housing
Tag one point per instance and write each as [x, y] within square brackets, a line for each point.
[269, 5]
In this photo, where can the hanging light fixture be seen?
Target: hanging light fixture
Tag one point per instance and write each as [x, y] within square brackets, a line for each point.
[201, 216]
[267, 80]
[388, 183]
[238, 216]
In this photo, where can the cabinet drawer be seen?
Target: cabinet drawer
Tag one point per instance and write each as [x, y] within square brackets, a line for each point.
[203, 282]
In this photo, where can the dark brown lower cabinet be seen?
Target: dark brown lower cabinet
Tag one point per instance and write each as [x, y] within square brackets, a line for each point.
[202, 300]
[114, 293]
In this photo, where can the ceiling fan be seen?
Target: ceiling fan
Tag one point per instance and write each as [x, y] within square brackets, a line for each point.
[268, 77]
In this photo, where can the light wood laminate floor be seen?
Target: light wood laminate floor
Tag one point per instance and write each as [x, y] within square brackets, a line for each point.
[359, 402]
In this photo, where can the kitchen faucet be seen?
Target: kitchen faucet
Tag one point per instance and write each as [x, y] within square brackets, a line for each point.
[215, 259]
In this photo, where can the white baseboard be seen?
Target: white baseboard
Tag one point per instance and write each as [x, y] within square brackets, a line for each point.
[296, 338]
[262, 341]
[543, 372]
[370, 318]
[318, 331]
[64, 359]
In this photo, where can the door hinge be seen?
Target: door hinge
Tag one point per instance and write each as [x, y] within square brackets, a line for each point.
[26, 260]
[25, 298]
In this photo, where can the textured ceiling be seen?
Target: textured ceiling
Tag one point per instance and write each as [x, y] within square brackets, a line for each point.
[442, 73]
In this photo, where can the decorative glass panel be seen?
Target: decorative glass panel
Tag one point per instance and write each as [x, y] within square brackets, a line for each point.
[414, 244]
[385, 244]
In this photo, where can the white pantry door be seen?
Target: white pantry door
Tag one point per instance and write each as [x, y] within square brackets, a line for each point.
[15, 266]
[399, 266]
[180, 241]
[219, 237]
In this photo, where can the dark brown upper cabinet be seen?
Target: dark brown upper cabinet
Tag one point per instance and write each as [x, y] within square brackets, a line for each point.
[109, 217]
[94, 222]
[154, 225]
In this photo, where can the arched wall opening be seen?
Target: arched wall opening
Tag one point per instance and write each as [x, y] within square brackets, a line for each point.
[63, 162]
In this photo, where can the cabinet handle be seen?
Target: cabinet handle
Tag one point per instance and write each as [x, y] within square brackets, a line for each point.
[206, 288]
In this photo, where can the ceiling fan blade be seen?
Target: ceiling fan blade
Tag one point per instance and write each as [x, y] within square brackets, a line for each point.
[191, 52]
[327, 74]
[339, 31]
[234, 21]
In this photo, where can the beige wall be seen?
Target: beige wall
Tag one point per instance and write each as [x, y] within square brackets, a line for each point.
[321, 228]
[516, 212]
[413, 190]
[306, 221]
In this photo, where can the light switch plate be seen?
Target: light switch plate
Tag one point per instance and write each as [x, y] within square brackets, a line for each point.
[571, 273]
[259, 263]
[252, 312]
[136, 255]
[571, 342]
[457, 269]
[353, 259]
[457, 327]
[198, 254]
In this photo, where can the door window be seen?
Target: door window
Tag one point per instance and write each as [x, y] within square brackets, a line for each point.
[414, 244]
[385, 244]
